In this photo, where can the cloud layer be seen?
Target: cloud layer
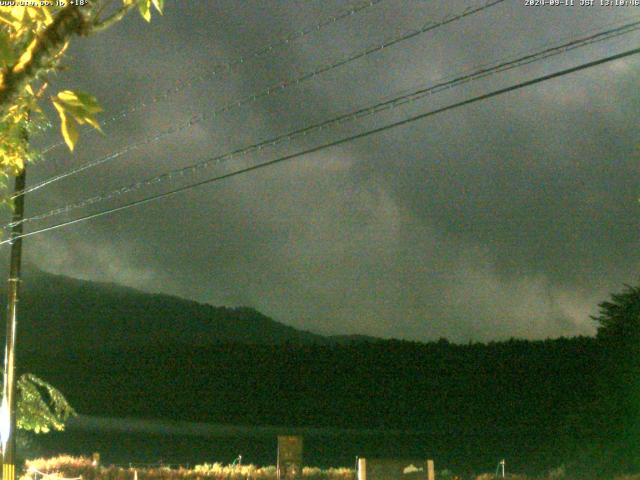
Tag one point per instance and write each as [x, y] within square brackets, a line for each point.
[511, 217]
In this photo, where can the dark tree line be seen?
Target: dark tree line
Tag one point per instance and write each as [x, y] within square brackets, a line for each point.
[572, 401]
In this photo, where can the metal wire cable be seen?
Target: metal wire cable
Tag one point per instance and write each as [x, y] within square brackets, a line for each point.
[276, 88]
[355, 115]
[334, 143]
[222, 67]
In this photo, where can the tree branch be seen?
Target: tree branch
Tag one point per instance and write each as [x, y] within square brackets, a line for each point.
[112, 20]
[70, 21]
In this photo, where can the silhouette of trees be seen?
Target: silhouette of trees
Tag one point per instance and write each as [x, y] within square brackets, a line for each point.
[619, 318]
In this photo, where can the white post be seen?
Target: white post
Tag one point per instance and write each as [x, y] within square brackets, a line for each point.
[362, 469]
[431, 470]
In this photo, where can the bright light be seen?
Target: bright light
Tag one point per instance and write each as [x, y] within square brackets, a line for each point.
[5, 424]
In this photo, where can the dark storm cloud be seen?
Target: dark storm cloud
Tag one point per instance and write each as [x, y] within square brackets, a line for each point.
[512, 217]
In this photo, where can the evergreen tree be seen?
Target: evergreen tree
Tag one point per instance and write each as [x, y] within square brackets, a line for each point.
[619, 318]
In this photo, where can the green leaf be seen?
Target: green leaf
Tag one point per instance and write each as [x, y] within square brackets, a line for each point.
[79, 102]
[7, 55]
[159, 4]
[69, 132]
[89, 102]
[41, 407]
[145, 9]
[70, 98]
[67, 125]
[75, 108]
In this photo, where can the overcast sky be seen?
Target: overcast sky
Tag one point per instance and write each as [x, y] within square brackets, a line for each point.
[511, 217]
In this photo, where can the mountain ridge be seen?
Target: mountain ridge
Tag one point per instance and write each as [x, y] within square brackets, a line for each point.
[107, 351]
[64, 313]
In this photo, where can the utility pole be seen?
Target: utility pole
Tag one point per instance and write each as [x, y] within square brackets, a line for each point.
[8, 408]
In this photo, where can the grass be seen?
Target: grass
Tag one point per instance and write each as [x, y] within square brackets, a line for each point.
[71, 467]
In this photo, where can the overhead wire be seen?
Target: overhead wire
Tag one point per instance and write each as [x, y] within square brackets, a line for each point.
[280, 86]
[334, 143]
[354, 115]
[226, 66]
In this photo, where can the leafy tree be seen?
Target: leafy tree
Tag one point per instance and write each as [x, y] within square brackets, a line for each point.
[33, 40]
[41, 407]
[619, 318]
[619, 333]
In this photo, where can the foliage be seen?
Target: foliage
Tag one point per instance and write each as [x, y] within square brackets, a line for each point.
[619, 333]
[68, 466]
[75, 109]
[619, 318]
[65, 465]
[557, 473]
[492, 476]
[33, 40]
[40, 406]
[471, 401]
[445, 474]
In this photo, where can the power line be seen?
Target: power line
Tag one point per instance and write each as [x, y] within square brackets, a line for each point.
[218, 69]
[335, 142]
[358, 114]
[276, 88]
